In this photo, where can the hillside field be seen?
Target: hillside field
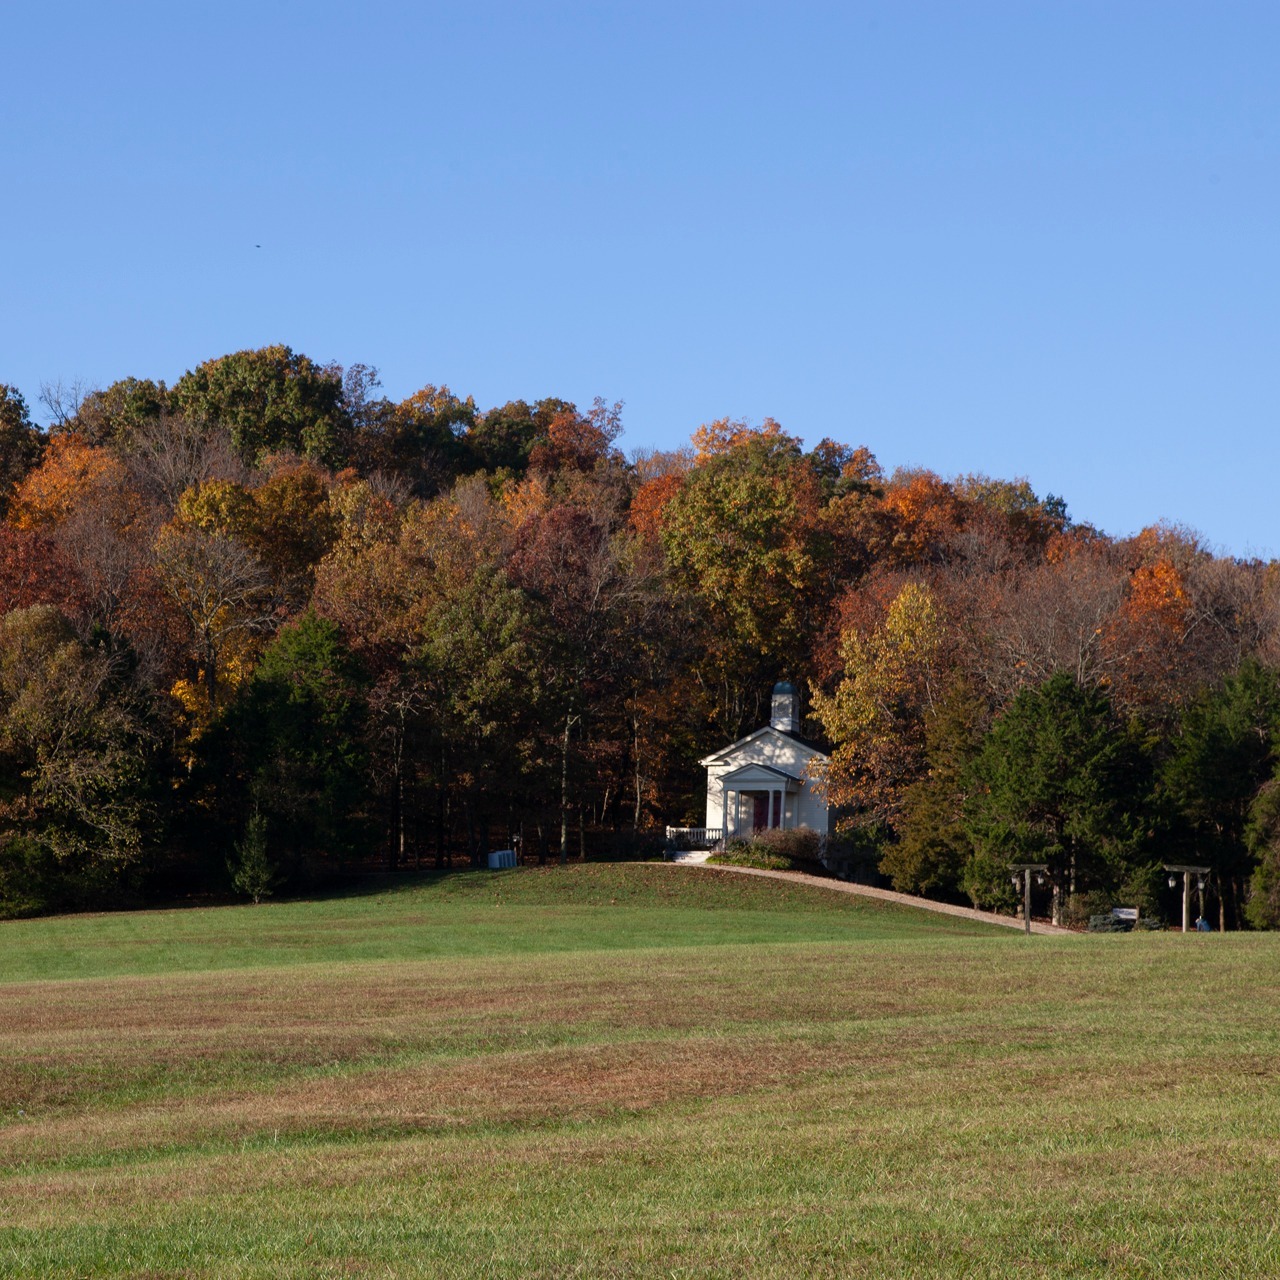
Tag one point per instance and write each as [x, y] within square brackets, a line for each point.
[631, 1070]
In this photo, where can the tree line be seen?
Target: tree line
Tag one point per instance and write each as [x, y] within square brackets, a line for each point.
[266, 624]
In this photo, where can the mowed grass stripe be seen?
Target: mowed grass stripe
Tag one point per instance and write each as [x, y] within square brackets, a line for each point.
[204, 1046]
[894, 1099]
[879, 1174]
[119, 1041]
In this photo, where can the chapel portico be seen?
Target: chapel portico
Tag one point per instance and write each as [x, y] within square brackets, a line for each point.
[757, 797]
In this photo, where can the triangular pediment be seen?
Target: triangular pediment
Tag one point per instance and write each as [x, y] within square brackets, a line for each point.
[790, 740]
[750, 776]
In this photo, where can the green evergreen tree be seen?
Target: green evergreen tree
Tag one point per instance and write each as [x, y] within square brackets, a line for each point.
[1224, 751]
[252, 871]
[1262, 837]
[1058, 781]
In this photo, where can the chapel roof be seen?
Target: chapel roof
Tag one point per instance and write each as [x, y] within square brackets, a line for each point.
[808, 743]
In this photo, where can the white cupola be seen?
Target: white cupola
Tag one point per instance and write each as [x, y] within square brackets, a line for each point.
[785, 715]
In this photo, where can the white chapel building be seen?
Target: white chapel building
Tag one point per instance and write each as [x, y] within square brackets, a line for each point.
[765, 779]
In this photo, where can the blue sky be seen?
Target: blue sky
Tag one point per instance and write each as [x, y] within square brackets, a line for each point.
[1019, 238]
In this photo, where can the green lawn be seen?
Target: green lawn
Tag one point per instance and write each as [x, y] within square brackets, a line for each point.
[508, 913]
[631, 1070]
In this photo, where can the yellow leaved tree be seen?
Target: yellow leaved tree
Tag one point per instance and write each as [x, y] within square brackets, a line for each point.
[892, 679]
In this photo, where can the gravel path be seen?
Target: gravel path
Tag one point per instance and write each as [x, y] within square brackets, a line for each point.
[884, 895]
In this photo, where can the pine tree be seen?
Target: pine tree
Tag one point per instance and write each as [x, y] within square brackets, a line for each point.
[252, 872]
[1058, 781]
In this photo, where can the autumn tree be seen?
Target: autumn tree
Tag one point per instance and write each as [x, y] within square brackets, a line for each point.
[368, 510]
[1156, 651]
[574, 562]
[424, 439]
[76, 749]
[223, 593]
[271, 400]
[746, 542]
[503, 439]
[648, 505]
[33, 571]
[576, 441]
[933, 849]
[286, 520]
[82, 499]
[116, 415]
[476, 656]
[924, 511]
[892, 679]
[170, 454]
[62, 400]
[854, 518]
[1042, 617]
[69, 469]
[20, 443]
[1026, 518]
[1190, 619]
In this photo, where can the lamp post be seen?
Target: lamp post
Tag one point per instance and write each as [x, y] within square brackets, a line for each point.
[1187, 873]
[1022, 872]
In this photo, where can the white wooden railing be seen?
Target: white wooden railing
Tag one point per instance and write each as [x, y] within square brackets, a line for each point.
[682, 838]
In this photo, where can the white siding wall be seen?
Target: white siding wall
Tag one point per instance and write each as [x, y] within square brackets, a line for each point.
[803, 810]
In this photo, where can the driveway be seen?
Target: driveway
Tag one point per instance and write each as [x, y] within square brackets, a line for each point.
[866, 891]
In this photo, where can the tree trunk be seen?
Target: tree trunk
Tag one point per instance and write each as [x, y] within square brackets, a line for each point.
[569, 721]
[211, 672]
[399, 835]
[639, 781]
[397, 804]
[439, 828]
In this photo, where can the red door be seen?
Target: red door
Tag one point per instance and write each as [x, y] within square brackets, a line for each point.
[760, 818]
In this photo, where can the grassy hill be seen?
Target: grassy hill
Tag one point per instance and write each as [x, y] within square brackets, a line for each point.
[630, 1070]
[580, 908]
